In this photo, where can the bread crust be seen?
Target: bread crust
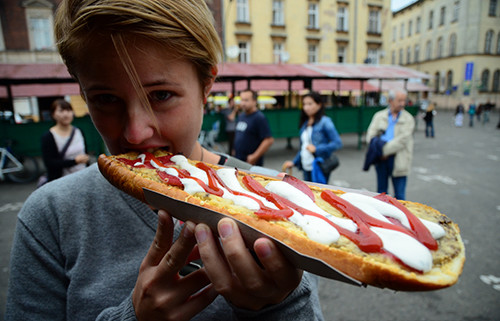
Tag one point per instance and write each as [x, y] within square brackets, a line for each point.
[362, 267]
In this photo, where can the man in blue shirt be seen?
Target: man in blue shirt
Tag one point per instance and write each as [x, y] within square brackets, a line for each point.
[396, 126]
[253, 135]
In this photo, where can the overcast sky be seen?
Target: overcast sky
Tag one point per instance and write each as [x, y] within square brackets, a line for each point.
[398, 4]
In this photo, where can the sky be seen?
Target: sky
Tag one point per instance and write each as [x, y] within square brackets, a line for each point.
[398, 4]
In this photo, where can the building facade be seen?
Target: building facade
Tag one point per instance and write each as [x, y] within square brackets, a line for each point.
[456, 42]
[306, 31]
[27, 37]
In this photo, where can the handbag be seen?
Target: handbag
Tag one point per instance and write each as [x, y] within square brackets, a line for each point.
[44, 178]
[330, 164]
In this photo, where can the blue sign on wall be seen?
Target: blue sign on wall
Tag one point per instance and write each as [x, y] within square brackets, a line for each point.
[469, 68]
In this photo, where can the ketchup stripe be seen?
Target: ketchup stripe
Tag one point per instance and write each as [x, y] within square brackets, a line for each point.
[422, 234]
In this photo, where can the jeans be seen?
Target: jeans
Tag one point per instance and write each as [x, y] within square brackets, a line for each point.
[308, 176]
[429, 129]
[384, 171]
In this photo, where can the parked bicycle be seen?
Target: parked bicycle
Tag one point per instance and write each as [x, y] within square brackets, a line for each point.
[208, 138]
[17, 168]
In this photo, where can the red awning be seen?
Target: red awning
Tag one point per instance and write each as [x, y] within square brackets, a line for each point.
[41, 90]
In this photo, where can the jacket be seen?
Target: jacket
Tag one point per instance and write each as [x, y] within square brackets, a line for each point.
[324, 137]
[402, 144]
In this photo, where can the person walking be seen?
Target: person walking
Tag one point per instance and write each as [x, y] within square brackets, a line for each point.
[63, 145]
[429, 120]
[253, 135]
[85, 250]
[318, 137]
[471, 112]
[230, 114]
[394, 125]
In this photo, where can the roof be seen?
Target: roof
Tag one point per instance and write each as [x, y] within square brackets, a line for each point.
[54, 79]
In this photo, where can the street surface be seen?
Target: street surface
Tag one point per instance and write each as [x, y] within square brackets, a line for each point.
[458, 173]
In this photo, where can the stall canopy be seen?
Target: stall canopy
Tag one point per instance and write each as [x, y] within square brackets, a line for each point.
[23, 80]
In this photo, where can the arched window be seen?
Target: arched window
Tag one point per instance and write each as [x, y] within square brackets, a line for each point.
[496, 81]
[453, 44]
[428, 50]
[488, 41]
[436, 82]
[485, 75]
[439, 49]
[498, 44]
[449, 80]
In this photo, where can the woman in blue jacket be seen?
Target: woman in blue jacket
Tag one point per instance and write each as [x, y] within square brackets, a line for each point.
[318, 136]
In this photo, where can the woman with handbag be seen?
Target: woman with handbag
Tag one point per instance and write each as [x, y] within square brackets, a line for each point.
[63, 145]
[318, 141]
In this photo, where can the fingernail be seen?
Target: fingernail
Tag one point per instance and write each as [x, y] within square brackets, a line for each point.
[188, 230]
[225, 229]
[263, 250]
[201, 234]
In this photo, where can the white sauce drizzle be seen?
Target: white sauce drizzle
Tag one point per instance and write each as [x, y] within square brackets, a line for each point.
[406, 248]
[383, 208]
[298, 197]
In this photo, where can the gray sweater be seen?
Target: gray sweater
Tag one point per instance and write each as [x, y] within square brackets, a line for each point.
[77, 249]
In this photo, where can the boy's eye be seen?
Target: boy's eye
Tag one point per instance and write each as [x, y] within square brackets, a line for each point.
[105, 99]
[160, 95]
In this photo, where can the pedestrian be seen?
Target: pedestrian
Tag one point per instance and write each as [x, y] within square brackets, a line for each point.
[429, 120]
[84, 250]
[318, 137]
[459, 115]
[230, 114]
[396, 125]
[253, 137]
[63, 145]
[471, 112]
[486, 112]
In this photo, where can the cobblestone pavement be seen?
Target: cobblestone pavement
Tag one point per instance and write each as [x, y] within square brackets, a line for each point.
[457, 172]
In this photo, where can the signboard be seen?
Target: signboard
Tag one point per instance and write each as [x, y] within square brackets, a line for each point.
[469, 71]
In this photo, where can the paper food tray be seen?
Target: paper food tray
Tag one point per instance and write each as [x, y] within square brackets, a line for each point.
[189, 212]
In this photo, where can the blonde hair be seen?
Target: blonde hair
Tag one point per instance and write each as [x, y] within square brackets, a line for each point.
[184, 27]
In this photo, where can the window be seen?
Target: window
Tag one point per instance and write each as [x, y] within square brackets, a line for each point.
[242, 11]
[402, 31]
[394, 34]
[436, 82]
[485, 75]
[498, 44]
[2, 43]
[442, 16]
[41, 33]
[373, 55]
[408, 55]
[374, 21]
[439, 49]
[428, 50]
[416, 55]
[393, 57]
[400, 56]
[456, 11]
[488, 41]
[312, 53]
[313, 16]
[278, 13]
[496, 81]
[418, 25]
[410, 27]
[341, 53]
[431, 18]
[492, 11]
[342, 19]
[278, 51]
[449, 80]
[453, 44]
[244, 53]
